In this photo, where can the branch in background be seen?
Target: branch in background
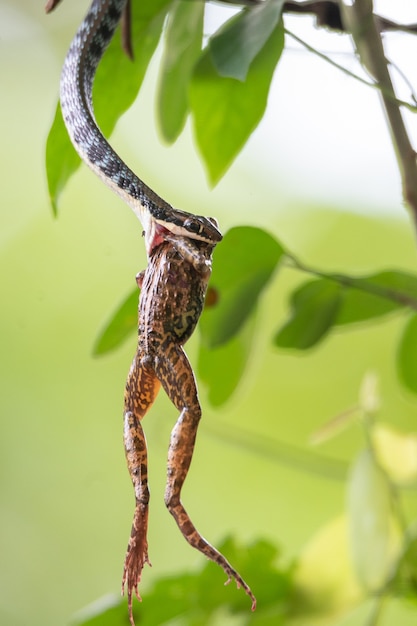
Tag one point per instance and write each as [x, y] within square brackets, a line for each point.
[328, 14]
[345, 70]
[51, 4]
[361, 23]
[127, 30]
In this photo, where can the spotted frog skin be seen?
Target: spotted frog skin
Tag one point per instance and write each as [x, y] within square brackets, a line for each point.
[173, 289]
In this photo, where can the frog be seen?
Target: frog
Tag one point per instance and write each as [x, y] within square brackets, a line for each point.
[172, 293]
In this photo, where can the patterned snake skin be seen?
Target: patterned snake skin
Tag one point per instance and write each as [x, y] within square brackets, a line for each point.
[84, 55]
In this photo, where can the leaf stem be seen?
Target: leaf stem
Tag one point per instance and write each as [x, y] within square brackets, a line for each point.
[356, 283]
[389, 94]
[279, 451]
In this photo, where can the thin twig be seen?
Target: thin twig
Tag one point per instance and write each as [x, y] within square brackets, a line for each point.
[126, 25]
[51, 4]
[328, 14]
[368, 83]
[360, 283]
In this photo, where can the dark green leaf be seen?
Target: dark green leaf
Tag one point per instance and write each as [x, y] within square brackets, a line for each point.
[61, 159]
[240, 40]
[256, 564]
[115, 89]
[122, 323]
[360, 306]
[402, 286]
[407, 355]
[376, 295]
[314, 308]
[201, 598]
[243, 265]
[221, 368]
[183, 42]
[340, 300]
[225, 110]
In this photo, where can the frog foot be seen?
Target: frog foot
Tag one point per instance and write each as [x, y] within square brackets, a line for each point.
[136, 557]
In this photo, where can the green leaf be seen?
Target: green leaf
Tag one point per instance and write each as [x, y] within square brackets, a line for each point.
[107, 611]
[376, 295]
[340, 300]
[407, 355]
[122, 323]
[405, 581]
[221, 368]
[183, 43]
[203, 598]
[239, 41]
[369, 508]
[225, 110]
[360, 306]
[61, 159]
[314, 308]
[243, 265]
[116, 86]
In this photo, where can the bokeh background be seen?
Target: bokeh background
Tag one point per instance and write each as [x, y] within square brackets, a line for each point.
[319, 174]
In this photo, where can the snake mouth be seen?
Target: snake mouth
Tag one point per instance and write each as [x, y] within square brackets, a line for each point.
[155, 234]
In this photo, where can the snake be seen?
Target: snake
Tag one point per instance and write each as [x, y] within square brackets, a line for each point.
[159, 219]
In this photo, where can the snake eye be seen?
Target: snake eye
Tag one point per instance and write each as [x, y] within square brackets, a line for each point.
[192, 227]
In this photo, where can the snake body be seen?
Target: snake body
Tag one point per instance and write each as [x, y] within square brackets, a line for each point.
[81, 62]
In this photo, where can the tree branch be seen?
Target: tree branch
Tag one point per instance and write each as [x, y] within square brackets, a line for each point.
[361, 23]
[328, 14]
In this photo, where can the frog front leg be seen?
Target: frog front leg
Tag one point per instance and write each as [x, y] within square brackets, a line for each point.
[177, 378]
[200, 259]
[141, 389]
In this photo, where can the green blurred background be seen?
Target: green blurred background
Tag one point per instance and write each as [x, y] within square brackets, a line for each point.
[66, 499]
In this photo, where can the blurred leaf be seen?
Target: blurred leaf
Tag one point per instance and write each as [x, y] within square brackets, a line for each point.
[369, 394]
[405, 581]
[239, 41]
[243, 265]
[376, 295]
[360, 306]
[192, 599]
[225, 110]
[122, 323]
[116, 75]
[183, 43]
[221, 368]
[314, 307]
[106, 611]
[407, 355]
[396, 452]
[324, 576]
[61, 159]
[372, 538]
[335, 425]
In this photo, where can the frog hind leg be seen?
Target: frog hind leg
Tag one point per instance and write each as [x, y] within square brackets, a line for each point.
[177, 378]
[141, 389]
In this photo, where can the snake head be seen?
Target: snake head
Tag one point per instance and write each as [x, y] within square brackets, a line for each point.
[183, 224]
[166, 225]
